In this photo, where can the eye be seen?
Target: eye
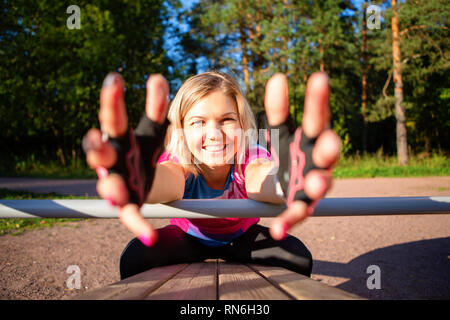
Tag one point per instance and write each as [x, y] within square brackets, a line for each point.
[197, 123]
[229, 120]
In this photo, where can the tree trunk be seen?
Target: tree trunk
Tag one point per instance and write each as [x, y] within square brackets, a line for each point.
[364, 78]
[321, 53]
[243, 40]
[402, 144]
[285, 57]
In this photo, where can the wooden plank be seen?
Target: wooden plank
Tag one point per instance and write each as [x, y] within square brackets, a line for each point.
[239, 282]
[196, 282]
[218, 280]
[136, 287]
[302, 287]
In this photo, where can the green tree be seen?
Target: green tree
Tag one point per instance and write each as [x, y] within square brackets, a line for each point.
[256, 38]
[50, 75]
[424, 42]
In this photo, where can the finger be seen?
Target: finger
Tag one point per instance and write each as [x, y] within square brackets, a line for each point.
[296, 212]
[112, 188]
[316, 115]
[98, 152]
[133, 220]
[157, 100]
[276, 100]
[317, 183]
[113, 116]
[326, 151]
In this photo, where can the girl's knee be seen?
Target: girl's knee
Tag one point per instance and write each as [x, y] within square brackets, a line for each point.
[129, 262]
[293, 255]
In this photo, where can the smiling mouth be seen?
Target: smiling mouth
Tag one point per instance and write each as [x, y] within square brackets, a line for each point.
[215, 148]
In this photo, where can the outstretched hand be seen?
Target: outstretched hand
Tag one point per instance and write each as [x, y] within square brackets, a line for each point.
[101, 155]
[325, 152]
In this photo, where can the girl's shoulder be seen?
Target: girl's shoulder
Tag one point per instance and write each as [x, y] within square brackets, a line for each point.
[254, 152]
[166, 156]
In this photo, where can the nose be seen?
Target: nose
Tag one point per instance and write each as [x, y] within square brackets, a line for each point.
[213, 132]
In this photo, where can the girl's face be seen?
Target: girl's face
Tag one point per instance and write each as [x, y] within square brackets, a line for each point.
[212, 129]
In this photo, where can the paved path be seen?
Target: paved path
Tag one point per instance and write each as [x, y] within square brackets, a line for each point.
[366, 187]
[411, 252]
[78, 187]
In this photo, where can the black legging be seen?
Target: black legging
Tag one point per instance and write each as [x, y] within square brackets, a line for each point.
[256, 245]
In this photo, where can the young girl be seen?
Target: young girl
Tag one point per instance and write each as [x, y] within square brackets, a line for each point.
[208, 154]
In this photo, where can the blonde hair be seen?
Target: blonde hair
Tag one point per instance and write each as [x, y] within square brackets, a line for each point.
[193, 90]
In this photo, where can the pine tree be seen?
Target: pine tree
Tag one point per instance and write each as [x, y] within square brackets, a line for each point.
[364, 76]
[402, 142]
[423, 37]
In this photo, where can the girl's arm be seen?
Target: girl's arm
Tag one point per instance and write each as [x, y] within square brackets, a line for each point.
[168, 184]
[260, 184]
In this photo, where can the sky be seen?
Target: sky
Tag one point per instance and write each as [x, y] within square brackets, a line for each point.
[188, 3]
[169, 44]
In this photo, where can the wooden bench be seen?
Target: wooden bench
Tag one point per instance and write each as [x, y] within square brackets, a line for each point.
[217, 280]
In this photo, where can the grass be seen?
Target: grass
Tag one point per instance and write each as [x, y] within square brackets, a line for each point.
[33, 167]
[15, 226]
[353, 166]
[379, 165]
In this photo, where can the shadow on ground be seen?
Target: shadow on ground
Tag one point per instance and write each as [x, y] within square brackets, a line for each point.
[413, 270]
